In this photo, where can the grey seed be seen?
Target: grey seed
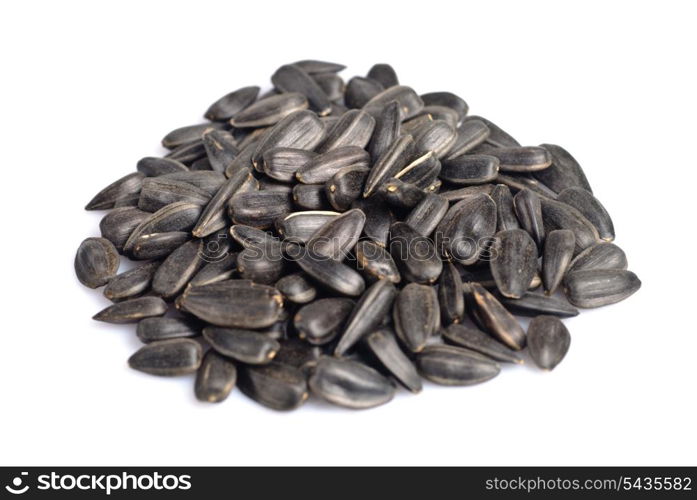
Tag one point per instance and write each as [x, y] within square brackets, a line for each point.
[156, 329]
[412, 125]
[448, 100]
[600, 287]
[422, 171]
[234, 303]
[379, 218]
[246, 346]
[189, 152]
[449, 365]
[213, 216]
[158, 245]
[470, 169]
[528, 209]
[310, 196]
[517, 182]
[375, 262]
[282, 163]
[208, 181]
[329, 273]
[400, 153]
[385, 74]
[276, 386]
[462, 193]
[414, 254]
[564, 172]
[354, 128]
[260, 208]
[383, 345]
[152, 166]
[96, 262]
[591, 209]
[322, 168]
[441, 113]
[314, 67]
[337, 237]
[132, 310]
[260, 266]
[296, 288]
[367, 315]
[505, 216]
[202, 164]
[557, 215]
[436, 136]
[427, 214]
[221, 149]
[346, 186]
[251, 136]
[244, 157]
[450, 295]
[159, 192]
[402, 194]
[119, 223]
[320, 321]
[300, 226]
[387, 129]
[349, 384]
[215, 378]
[522, 159]
[267, 184]
[131, 283]
[497, 136]
[409, 101]
[466, 229]
[292, 78]
[601, 256]
[514, 262]
[177, 269]
[478, 341]
[416, 315]
[189, 134]
[297, 353]
[496, 319]
[359, 91]
[299, 130]
[230, 105]
[216, 270]
[167, 357]
[126, 188]
[270, 110]
[558, 251]
[332, 85]
[470, 134]
[548, 341]
[532, 304]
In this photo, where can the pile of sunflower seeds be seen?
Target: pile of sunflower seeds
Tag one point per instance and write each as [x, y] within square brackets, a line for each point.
[342, 239]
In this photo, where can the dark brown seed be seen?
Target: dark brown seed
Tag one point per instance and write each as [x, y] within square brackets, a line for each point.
[528, 209]
[152, 166]
[299, 130]
[177, 269]
[410, 103]
[368, 313]
[427, 214]
[321, 168]
[564, 172]
[375, 262]
[159, 192]
[436, 136]
[379, 218]
[449, 365]
[557, 215]
[131, 283]
[188, 153]
[600, 287]
[470, 169]
[416, 315]
[383, 345]
[478, 341]
[209, 181]
[514, 262]
[337, 237]
[314, 67]
[282, 163]
[260, 208]
[447, 99]
[276, 386]
[126, 188]
[522, 159]
[234, 303]
[310, 196]
[319, 322]
[215, 378]
[216, 270]
[292, 78]
[360, 90]
[397, 156]
[497, 136]
[168, 357]
[221, 149]
[332, 84]
[96, 262]
[354, 128]
[505, 216]
[591, 209]
[385, 74]
[402, 194]
[548, 341]
[119, 223]
[600, 256]
[300, 226]
[213, 216]
[349, 384]
[260, 265]
[232, 104]
[496, 319]
[414, 254]
[270, 110]
[470, 134]
[346, 186]
[246, 346]
[132, 310]
[296, 288]
[154, 329]
[532, 304]
[559, 249]
[450, 295]
[329, 273]
[387, 129]
[158, 245]
[189, 134]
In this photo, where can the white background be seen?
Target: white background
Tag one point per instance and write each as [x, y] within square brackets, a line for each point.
[89, 88]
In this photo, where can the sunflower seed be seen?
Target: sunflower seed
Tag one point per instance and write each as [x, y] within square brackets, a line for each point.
[221, 149]
[320, 321]
[478, 341]
[349, 384]
[514, 262]
[416, 315]
[300, 226]
[270, 111]
[532, 304]
[548, 341]
[292, 78]
[96, 262]
[230, 105]
[215, 378]
[158, 245]
[260, 208]
[132, 310]
[297, 353]
[314, 67]
[379, 218]
[167, 357]
[385, 74]
[155, 329]
[447, 99]
[601, 256]
[159, 192]
[359, 91]
[282, 163]
[329, 273]
[260, 266]
[396, 157]
[466, 228]
[441, 113]
[383, 345]
[131, 283]
[177, 269]
[375, 262]
[564, 172]
[414, 254]
[310, 196]
[251, 237]
[449, 365]
[184, 136]
[427, 214]
[208, 181]
[296, 288]
[518, 182]
[402, 194]
[332, 85]
[126, 188]
[152, 166]
[522, 159]
[354, 128]
[470, 169]
[338, 236]
[213, 216]
[505, 215]
[496, 319]
[387, 129]
[216, 270]
[557, 215]
[412, 125]
[470, 134]
[242, 345]
[528, 209]
[119, 223]
[437, 136]
[558, 251]
[591, 209]
[497, 136]
[450, 295]
[275, 385]
[321, 168]
[600, 287]
[299, 130]
[202, 164]
[346, 186]
[410, 103]
[188, 153]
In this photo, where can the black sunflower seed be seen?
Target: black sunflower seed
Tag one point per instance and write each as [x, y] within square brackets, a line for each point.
[231, 104]
[159, 192]
[387, 129]
[261, 265]
[96, 262]
[354, 128]
[450, 295]
[313, 66]
[282, 163]
[470, 134]
[385, 74]
[131, 283]
[310, 196]
[548, 341]
[292, 78]
[600, 287]
[427, 214]
[275, 385]
[158, 245]
[152, 166]
[375, 262]
[217, 269]
[600, 256]
[416, 315]
[213, 216]
[215, 378]
[132, 310]
[528, 209]
[449, 365]
[124, 189]
[337, 237]
[557, 215]
[379, 218]
[300, 226]
[168, 357]
[422, 171]
[409, 101]
[299, 130]
[558, 251]
[119, 223]
[436, 136]
[259, 208]
[346, 186]
[296, 288]
[332, 84]
[447, 99]
[532, 304]
[497, 136]
[591, 209]
[383, 345]
[208, 181]
[320, 321]
[321, 168]
[329, 273]
[360, 90]
[442, 113]
[480, 342]
[496, 319]
[564, 172]
[246, 346]
[514, 262]
[177, 269]
[154, 329]
[270, 111]
[394, 159]
[505, 214]
[414, 254]
[402, 194]
[470, 169]
[184, 136]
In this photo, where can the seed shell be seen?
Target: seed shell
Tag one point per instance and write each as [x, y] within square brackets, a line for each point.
[375, 262]
[215, 378]
[414, 254]
[548, 341]
[449, 365]
[96, 262]
[477, 340]
[514, 262]
[600, 287]
[277, 386]
[270, 111]
[167, 357]
[126, 188]
[292, 78]
[383, 345]
[564, 172]
[558, 252]
[496, 319]
[450, 295]
[231, 104]
[132, 310]
[131, 283]
[591, 209]
[155, 329]
[177, 269]
[246, 346]
[416, 315]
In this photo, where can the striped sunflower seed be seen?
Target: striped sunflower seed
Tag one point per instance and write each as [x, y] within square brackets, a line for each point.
[96, 262]
[548, 341]
[168, 357]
